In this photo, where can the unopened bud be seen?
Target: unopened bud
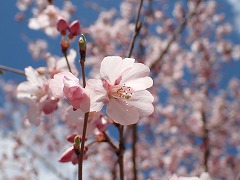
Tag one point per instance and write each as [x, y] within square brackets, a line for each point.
[82, 43]
[77, 140]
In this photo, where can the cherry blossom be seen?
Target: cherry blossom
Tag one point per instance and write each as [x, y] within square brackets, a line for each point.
[66, 84]
[35, 93]
[123, 87]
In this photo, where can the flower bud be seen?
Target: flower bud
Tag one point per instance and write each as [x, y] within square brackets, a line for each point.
[82, 46]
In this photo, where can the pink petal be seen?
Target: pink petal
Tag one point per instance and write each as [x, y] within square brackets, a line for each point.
[62, 26]
[49, 106]
[33, 114]
[142, 101]
[113, 66]
[71, 138]
[56, 84]
[122, 113]
[74, 28]
[76, 95]
[67, 155]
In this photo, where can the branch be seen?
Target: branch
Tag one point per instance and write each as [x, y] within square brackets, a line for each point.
[82, 51]
[137, 29]
[5, 68]
[121, 152]
[175, 35]
[134, 127]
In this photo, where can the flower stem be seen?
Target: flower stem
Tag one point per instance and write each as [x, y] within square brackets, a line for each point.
[121, 152]
[65, 55]
[5, 68]
[82, 50]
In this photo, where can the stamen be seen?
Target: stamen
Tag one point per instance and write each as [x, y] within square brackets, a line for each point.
[121, 92]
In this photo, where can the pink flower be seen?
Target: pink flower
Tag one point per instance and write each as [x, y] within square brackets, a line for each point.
[74, 28]
[123, 88]
[66, 84]
[36, 94]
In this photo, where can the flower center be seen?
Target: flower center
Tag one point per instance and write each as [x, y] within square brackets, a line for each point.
[121, 91]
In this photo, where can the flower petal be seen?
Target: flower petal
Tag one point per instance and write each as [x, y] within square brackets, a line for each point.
[121, 112]
[142, 101]
[67, 155]
[113, 66]
[98, 95]
[34, 77]
[56, 84]
[137, 77]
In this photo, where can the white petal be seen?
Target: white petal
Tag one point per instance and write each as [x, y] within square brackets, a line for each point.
[26, 90]
[34, 77]
[140, 83]
[97, 93]
[113, 66]
[142, 100]
[137, 77]
[121, 113]
[138, 70]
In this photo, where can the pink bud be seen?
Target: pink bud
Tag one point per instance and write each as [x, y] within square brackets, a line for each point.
[62, 26]
[71, 138]
[74, 29]
[69, 156]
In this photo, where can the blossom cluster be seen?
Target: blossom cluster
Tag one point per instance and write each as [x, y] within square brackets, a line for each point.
[186, 122]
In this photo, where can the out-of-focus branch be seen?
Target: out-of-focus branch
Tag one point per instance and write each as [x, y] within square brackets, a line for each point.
[206, 147]
[175, 35]
[205, 142]
[134, 127]
[5, 68]
[136, 30]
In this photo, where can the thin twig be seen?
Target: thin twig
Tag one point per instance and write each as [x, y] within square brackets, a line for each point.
[175, 35]
[13, 70]
[82, 50]
[121, 152]
[80, 157]
[205, 143]
[109, 141]
[134, 127]
[68, 64]
[137, 29]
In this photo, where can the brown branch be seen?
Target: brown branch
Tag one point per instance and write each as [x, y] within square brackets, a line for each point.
[109, 141]
[137, 29]
[175, 35]
[66, 58]
[13, 70]
[121, 152]
[205, 142]
[82, 51]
